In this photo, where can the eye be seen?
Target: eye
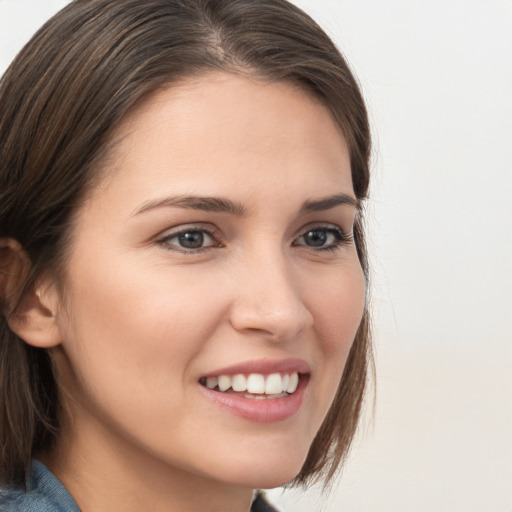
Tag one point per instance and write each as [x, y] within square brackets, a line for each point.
[323, 238]
[189, 240]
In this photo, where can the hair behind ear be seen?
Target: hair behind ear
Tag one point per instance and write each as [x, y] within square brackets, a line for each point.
[25, 407]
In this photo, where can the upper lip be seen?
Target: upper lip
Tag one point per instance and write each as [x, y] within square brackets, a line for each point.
[263, 366]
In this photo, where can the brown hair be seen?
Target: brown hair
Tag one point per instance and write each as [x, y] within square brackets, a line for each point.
[60, 100]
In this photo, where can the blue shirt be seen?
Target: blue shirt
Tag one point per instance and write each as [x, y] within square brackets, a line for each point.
[44, 494]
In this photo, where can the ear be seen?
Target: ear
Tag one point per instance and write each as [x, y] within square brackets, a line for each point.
[30, 311]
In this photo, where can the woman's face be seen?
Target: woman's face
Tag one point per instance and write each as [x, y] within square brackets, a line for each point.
[216, 252]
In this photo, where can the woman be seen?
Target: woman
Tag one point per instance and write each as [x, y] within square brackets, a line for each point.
[183, 263]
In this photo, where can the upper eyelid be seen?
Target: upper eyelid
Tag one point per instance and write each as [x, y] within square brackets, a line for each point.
[325, 228]
[184, 228]
[165, 237]
[321, 225]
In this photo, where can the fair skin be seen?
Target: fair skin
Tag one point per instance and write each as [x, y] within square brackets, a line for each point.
[162, 292]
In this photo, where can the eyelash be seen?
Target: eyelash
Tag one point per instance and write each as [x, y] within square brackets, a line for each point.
[214, 235]
[340, 238]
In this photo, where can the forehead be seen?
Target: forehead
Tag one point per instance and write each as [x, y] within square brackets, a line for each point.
[230, 127]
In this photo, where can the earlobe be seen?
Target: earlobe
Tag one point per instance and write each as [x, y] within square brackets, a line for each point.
[29, 310]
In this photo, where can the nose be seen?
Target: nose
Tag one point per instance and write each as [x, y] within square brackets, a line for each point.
[268, 299]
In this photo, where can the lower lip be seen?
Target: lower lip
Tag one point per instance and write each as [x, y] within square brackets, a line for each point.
[261, 411]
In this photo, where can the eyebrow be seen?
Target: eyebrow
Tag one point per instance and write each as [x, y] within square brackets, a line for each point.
[326, 203]
[224, 205]
[207, 204]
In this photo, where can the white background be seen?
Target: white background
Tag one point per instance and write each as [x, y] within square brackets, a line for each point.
[437, 76]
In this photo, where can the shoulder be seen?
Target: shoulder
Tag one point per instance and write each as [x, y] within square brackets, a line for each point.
[44, 493]
[15, 500]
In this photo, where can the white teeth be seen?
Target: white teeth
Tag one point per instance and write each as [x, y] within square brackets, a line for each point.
[211, 382]
[256, 383]
[286, 380]
[224, 382]
[239, 383]
[294, 382]
[273, 384]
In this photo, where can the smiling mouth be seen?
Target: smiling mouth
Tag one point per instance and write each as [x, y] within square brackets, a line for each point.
[256, 386]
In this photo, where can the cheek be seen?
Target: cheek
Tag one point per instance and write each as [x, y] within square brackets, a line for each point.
[129, 330]
[338, 313]
[339, 310]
